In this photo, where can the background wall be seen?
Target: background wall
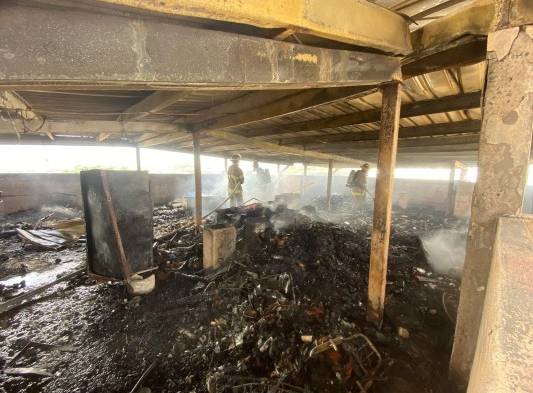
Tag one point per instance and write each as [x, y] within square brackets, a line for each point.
[33, 191]
[427, 193]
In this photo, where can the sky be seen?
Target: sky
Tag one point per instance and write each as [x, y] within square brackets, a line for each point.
[56, 159]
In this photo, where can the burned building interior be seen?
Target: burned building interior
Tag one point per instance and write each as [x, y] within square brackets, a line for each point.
[132, 281]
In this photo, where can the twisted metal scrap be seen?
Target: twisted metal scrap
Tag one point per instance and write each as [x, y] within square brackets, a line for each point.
[365, 353]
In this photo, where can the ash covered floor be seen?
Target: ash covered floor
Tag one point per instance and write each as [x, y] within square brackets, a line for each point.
[286, 313]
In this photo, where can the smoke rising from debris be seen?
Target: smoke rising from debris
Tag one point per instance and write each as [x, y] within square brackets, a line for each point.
[445, 250]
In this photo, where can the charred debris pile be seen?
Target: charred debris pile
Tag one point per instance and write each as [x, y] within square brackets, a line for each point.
[285, 313]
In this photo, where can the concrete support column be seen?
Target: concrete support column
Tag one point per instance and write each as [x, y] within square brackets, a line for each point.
[138, 157]
[503, 360]
[504, 153]
[388, 143]
[328, 189]
[197, 181]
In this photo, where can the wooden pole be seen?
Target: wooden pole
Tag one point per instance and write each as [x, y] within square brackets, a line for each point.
[388, 143]
[138, 156]
[328, 190]
[197, 181]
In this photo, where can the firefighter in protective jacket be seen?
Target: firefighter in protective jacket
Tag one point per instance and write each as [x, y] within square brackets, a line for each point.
[357, 184]
[235, 181]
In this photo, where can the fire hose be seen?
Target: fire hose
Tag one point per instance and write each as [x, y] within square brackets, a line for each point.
[222, 203]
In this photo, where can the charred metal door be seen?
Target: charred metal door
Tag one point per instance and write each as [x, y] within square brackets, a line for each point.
[118, 216]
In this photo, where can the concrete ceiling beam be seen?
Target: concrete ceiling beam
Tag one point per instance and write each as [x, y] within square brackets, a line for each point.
[50, 47]
[358, 23]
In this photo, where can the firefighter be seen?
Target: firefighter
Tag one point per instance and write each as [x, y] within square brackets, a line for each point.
[235, 181]
[357, 184]
[262, 186]
[263, 174]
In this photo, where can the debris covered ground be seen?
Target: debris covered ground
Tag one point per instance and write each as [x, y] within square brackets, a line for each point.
[286, 313]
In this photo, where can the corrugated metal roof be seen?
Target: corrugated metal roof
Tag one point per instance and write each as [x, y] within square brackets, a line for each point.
[109, 105]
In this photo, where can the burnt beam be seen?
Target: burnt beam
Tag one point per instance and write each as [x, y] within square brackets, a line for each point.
[85, 127]
[439, 129]
[465, 52]
[154, 103]
[297, 102]
[357, 24]
[68, 48]
[36, 139]
[426, 107]
[458, 140]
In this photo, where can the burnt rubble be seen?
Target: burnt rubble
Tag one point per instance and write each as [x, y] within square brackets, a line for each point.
[286, 313]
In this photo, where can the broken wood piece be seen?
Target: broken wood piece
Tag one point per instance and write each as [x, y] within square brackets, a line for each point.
[17, 355]
[47, 347]
[41, 220]
[52, 347]
[191, 277]
[49, 239]
[72, 229]
[143, 376]
[28, 371]
[49, 235]
[27, 297]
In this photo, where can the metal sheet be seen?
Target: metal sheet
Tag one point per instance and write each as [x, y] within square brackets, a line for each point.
[131, 206]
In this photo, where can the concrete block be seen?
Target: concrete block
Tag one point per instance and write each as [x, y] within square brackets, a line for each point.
[219, 244]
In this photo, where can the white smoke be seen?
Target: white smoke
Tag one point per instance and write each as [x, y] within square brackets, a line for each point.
[445, 250]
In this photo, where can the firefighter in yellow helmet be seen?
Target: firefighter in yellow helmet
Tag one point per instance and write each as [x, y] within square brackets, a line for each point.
[235, 181]
[357, 183]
